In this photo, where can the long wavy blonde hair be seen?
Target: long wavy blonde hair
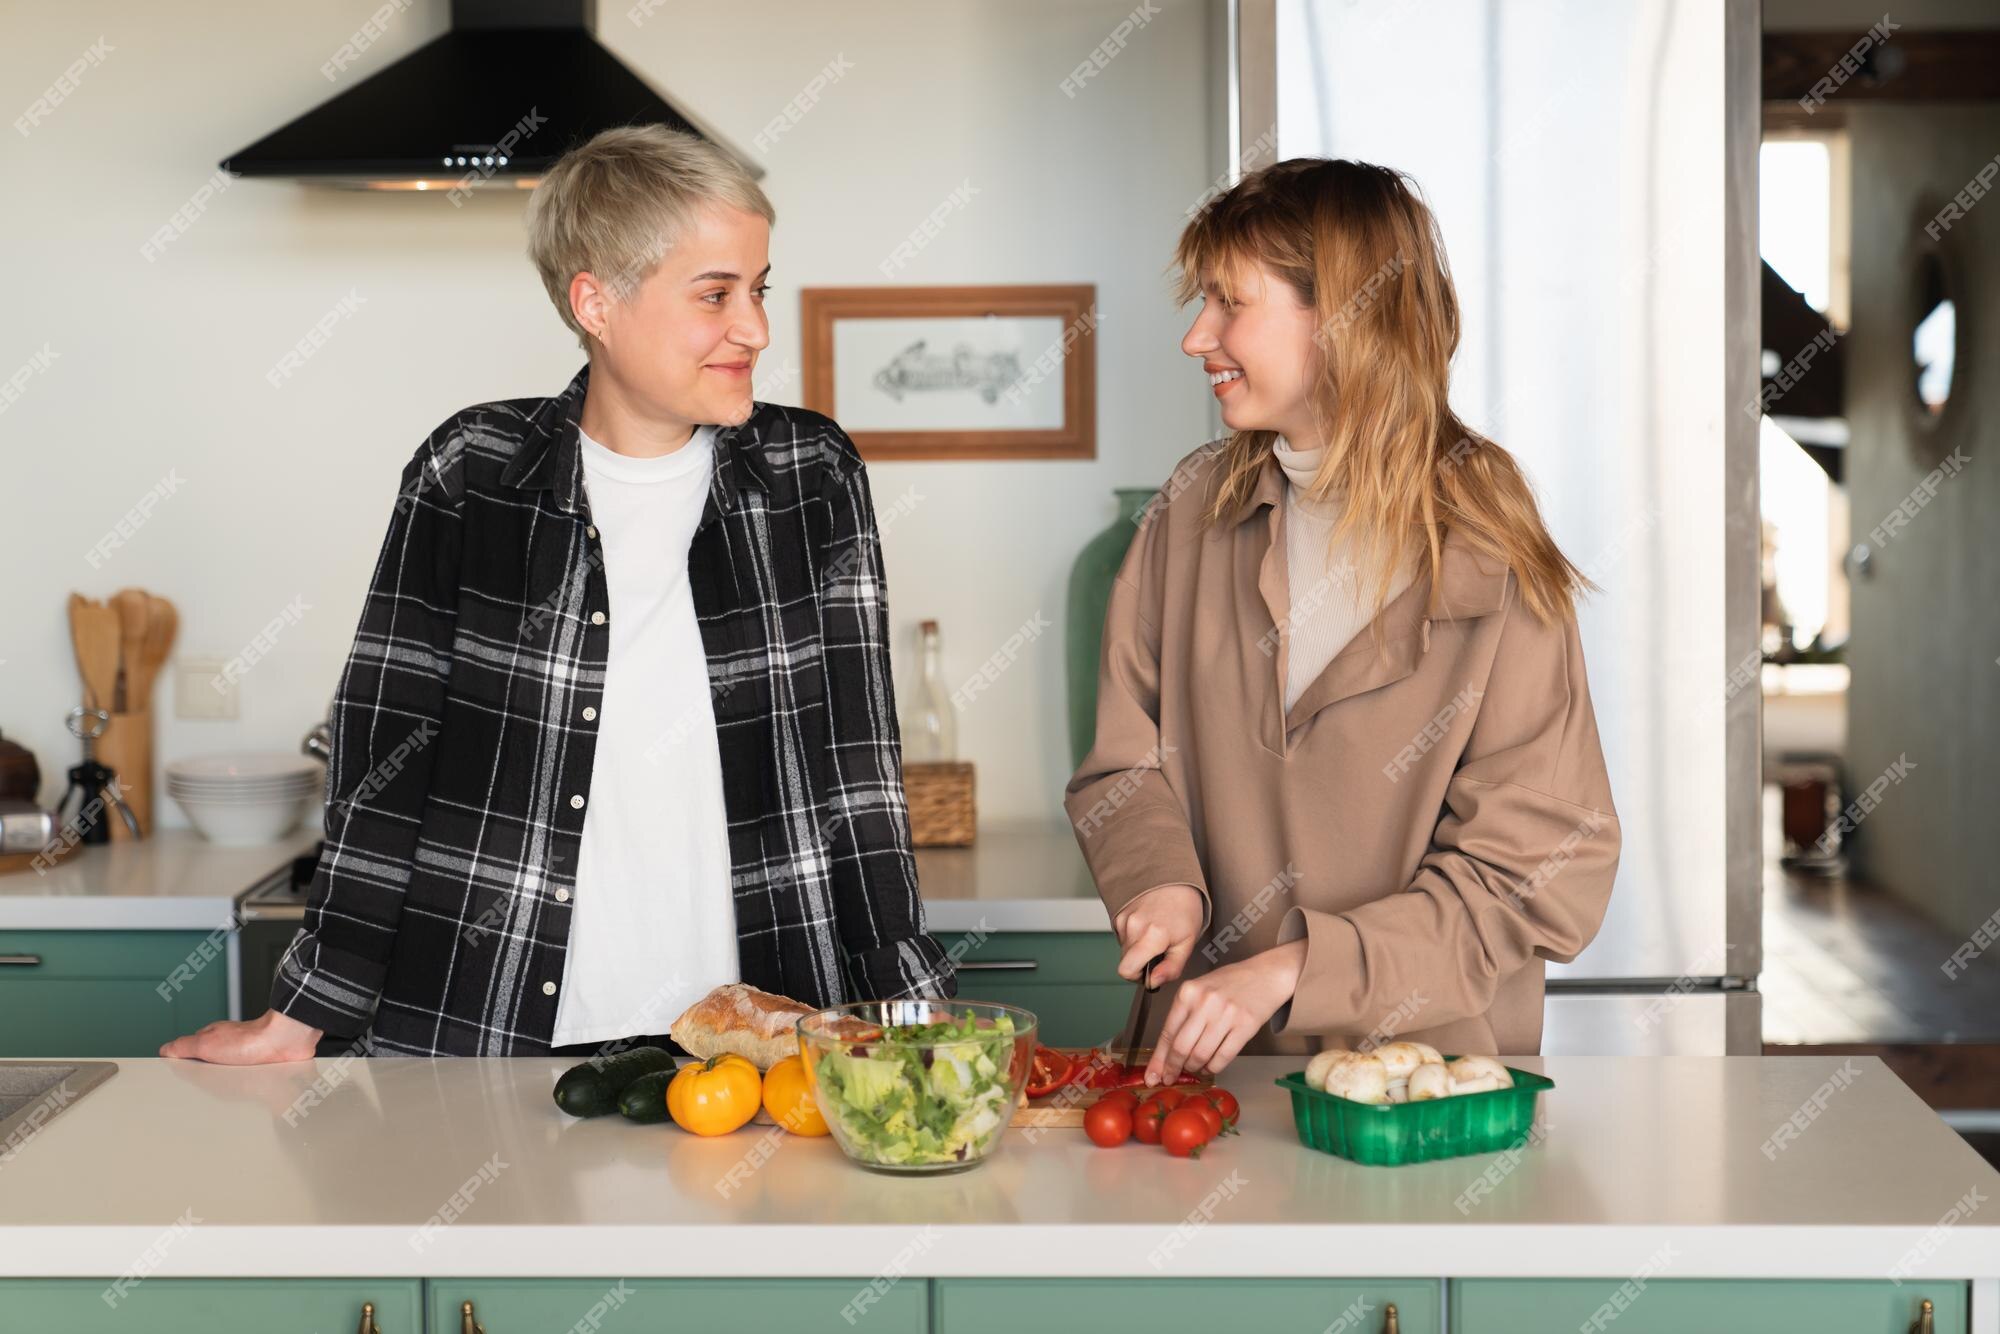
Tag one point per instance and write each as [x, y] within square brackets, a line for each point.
[1358, 244]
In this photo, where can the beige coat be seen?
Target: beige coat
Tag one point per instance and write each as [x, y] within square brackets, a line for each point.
[1434, 818]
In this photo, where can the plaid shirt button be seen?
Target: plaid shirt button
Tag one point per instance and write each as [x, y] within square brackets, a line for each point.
[597, 618]
[576, 803]
[562, 896]
[589, 713]
[548, 988]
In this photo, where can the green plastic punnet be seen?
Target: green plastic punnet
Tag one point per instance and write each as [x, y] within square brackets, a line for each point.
[1391, 1134]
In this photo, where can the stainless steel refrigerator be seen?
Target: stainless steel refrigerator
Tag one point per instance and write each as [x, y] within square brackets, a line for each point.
[1593, 170]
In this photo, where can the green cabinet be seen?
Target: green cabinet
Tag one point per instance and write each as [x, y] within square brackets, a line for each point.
[879, 1305]
[1266, 1305]
[130, 1305]
[108, 993]
[1068, 978]
[1713, 1306]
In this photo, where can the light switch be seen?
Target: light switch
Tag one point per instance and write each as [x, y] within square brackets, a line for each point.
[203, 688]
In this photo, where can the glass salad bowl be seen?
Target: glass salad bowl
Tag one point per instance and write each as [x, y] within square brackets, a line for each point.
[917, 1085]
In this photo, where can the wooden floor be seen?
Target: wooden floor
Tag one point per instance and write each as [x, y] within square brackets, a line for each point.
[1846, 962]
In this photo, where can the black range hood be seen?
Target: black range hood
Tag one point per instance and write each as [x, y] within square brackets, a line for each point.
[490, 104]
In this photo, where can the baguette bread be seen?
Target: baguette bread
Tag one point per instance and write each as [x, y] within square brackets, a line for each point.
[740, 1019]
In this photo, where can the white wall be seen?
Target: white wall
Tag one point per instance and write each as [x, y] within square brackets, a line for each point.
[159, 366]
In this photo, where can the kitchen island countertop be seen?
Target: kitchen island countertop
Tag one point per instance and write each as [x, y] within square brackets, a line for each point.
[465, 1167]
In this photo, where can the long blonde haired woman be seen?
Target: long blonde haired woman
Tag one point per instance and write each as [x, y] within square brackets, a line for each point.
[1346, 776]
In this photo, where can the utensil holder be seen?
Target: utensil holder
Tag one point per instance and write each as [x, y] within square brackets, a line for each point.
[127, 747]
[941, 804]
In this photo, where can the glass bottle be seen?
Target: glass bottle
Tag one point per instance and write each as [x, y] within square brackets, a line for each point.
[930, 727]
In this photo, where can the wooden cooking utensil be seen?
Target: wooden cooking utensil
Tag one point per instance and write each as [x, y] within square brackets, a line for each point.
[161, 624]
[93, 629]
[135, 611]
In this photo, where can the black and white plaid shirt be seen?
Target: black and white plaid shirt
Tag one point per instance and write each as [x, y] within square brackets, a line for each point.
[464, 729]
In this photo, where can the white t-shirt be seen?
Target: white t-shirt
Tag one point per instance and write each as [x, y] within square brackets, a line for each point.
[652, 922]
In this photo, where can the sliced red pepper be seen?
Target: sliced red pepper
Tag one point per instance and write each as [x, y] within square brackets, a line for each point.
[1049, 1072]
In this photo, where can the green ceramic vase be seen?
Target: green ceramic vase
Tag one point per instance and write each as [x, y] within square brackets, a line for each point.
[1089, 594]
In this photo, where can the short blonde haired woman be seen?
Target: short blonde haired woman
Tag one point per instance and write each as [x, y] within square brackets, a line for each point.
[1346, 775]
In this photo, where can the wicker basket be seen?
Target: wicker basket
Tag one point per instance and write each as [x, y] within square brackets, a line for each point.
[941, 805]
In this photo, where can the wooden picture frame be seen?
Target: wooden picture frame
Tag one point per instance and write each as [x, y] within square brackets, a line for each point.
[955, 388]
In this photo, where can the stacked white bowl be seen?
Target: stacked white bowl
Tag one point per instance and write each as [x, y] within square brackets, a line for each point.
[241, 800]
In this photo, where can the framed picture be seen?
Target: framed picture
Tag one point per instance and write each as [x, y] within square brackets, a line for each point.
[955, 372]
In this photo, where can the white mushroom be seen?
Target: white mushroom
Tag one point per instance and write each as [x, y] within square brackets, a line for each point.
[1318, 1066]
[1359, 1079]
[1429, 1080]
[1399, 1090]
[1400, 1058]
[1431, 1054]
[1478, 1074]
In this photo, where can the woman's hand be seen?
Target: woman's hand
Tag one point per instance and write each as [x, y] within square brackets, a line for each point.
[1215, 1014]
[270, 1037]
[1164, 920]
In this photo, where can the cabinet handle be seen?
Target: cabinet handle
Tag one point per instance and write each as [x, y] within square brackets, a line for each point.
[998, 966]
[1922, 1324]
[1389, 1323]
[368, 1325]
[21, 960]
[466, 1324]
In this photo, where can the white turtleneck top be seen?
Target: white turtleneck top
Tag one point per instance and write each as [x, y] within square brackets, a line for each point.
[1330, 596]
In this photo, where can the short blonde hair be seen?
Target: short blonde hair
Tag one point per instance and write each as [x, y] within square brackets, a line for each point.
[615, 205]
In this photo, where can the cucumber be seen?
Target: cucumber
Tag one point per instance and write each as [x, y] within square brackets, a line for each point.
[645, 1098]
[592, 1088]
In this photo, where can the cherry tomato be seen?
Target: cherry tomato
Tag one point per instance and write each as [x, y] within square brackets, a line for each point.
[1168, 1097]
[1224, 1102]
[1146, 1121]
[1126, 1098]
[1184, 1132]
[1108, 1124]
[1205, 1109]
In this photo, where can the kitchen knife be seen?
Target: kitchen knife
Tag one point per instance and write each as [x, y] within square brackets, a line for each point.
[1135, 1023]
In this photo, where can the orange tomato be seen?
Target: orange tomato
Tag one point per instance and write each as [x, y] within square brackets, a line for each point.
[788, 1097]
[715, 1096]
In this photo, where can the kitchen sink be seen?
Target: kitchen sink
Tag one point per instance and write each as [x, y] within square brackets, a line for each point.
[34, 1093]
